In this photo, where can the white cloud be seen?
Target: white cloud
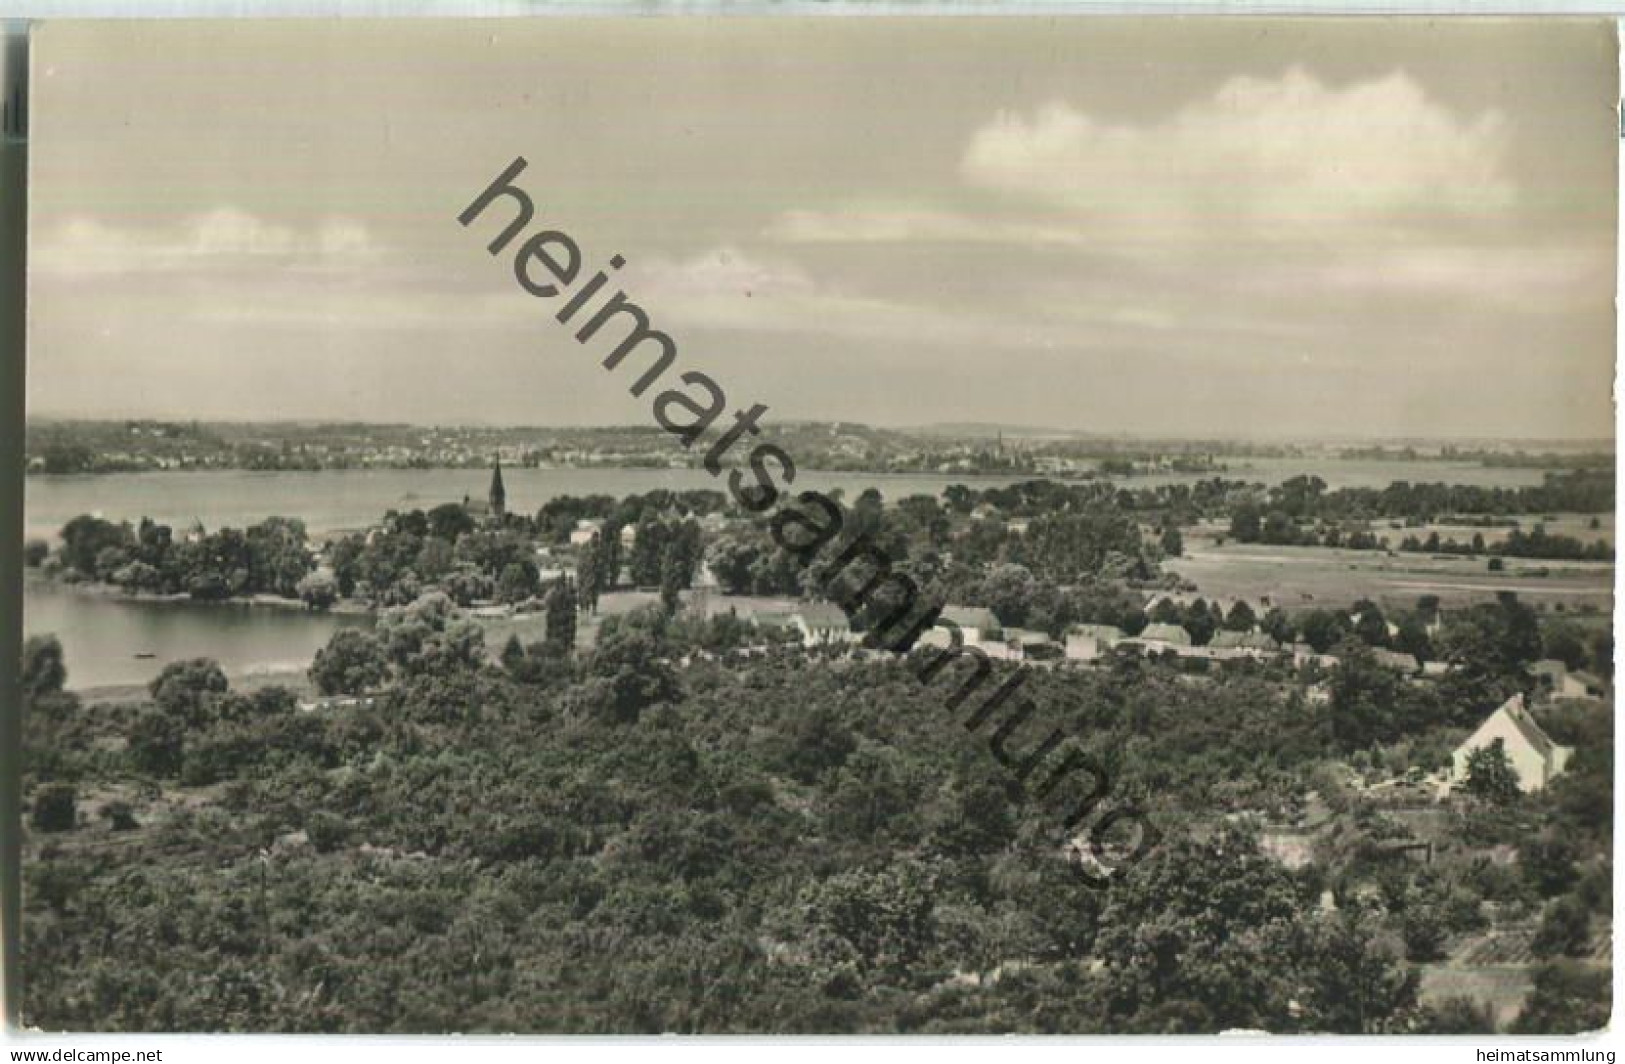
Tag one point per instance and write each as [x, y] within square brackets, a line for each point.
[223, 238]
[1261, 159]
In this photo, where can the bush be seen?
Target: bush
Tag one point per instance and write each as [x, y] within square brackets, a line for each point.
[55, 808]
[1565, 929]
[326, 831]
[1424, 933]
[1458, 1015]
[35, 551]
[120, 816]
[156, 744]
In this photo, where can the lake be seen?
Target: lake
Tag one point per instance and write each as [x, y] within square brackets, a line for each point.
[101, 635]
[355, 498]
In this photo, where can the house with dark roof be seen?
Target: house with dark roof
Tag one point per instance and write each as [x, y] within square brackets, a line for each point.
[977, 628]
[977, 623]
[1533, 755]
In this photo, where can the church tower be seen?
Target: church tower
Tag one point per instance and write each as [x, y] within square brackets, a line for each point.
[499, 495]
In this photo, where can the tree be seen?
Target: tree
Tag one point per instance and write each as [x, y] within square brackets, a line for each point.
[1241, 618]
[1568, 998]
[35, 551]
[189, 689]
[1246, 523]
[589, 575]
[1565, 928]
[634, 676]
[518, 581]
[886, 917]
[1490, 775]
[1422, 926]
[1196, 937]
[1457, 1015]
[156, 743]
[85, 537]
[435, 559]
[673, 579]
[609, 556]
[1413, 639]
[1549, 862]
[353, 662]
[1323, 629]
[1278, 626]
[44, 672]
[430, 637]
[1370, 627]
[1198, 621]
[318, 590]
[1370, 703]
[561, 618]
[448, 521]
[1358, 984]
[120, 816]
[55, 808]
[1173, 543]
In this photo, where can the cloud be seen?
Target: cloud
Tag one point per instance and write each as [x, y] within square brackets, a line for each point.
[1261, 159]
[221, 239]
[1259, 162]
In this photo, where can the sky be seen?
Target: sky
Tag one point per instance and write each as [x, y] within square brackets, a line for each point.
[1176, 227]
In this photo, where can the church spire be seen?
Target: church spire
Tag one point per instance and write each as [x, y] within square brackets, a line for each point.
[499, 494]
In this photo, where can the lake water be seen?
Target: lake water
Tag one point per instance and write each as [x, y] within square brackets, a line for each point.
[355, 498]
[101, 636]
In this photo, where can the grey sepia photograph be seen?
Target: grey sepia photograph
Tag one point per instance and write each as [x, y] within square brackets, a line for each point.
[785, 526]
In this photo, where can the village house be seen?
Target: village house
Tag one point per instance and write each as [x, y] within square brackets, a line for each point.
[978, 628]
[1164, 637]
[976, 625]
[1253, 644]
[1306, 654]
[1393, 659]
[1533, 755]
[822, 624]
[585, 530]
[1087, 642]
[1556, 681]
[1027, 645]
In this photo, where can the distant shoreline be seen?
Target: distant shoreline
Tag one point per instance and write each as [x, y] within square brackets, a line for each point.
[112, 693]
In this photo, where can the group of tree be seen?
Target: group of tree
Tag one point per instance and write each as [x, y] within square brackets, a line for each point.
[271, 557]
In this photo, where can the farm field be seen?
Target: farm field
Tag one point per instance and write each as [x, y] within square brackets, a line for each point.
[1332, 577]
[1576, 526]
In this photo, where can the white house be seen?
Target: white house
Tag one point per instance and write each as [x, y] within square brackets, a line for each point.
[1559, 680]
[1254, 644]
[1086, 642]
[1531, 751]
[584, 531]
[821, 624]
[978, 629]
